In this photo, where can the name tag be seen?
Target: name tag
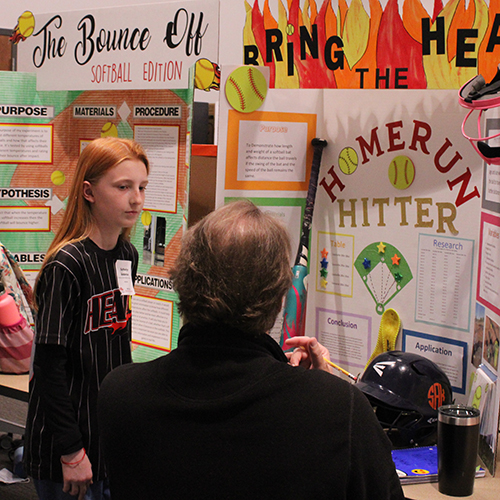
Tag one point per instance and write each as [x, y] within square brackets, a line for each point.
[123, 269]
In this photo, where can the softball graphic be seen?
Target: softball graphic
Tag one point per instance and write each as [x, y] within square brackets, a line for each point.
[57, 177]
[26, 23]
[246, 89]
[109, 130]
[146, 218]
[24, 28]
[348, 160]
[401, 172]
[203, 74]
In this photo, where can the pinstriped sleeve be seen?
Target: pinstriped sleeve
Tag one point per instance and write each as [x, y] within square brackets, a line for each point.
[58, 297]
[49, 368]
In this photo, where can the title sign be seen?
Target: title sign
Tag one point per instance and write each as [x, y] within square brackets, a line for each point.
[151, 46]
[363, 44]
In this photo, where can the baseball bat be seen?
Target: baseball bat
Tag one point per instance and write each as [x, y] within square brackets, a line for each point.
[295, 301]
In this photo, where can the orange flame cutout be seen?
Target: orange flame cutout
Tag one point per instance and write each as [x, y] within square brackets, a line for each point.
[380, 49]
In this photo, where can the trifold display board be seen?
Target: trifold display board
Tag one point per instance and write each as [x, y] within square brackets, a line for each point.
[397, 220]
[407, 215]
[84, 74]
[41, 136]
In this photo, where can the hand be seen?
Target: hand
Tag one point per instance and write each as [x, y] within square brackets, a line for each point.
[77, 473]
[308, 353]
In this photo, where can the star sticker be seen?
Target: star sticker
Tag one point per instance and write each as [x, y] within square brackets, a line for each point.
[324, 253]
[381, 247]
[367, 263]
[323, 283]
[323, 273]
[324, 263]
[398, 277]
[395, 260]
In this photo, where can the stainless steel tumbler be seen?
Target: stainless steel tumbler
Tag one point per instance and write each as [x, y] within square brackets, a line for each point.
[458, 439]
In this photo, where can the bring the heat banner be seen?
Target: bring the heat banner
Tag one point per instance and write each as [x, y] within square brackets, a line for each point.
[363, 44]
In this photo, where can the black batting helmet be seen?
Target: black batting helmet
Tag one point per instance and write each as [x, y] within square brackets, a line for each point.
[405, 391]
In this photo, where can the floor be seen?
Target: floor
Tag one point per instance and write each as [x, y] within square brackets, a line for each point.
[14, 411]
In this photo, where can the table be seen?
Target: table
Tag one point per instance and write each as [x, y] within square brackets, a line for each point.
[14, 387]
[485, 488]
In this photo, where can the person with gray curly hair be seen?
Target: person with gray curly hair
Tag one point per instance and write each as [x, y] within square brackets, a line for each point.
[228, 414]
[234, 269]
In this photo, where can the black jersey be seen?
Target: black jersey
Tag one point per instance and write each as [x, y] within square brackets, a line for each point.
[82, 332]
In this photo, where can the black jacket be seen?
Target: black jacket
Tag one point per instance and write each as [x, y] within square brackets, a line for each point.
[225, 417]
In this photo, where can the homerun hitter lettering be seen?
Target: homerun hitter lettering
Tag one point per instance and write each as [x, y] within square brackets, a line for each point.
[420, 137]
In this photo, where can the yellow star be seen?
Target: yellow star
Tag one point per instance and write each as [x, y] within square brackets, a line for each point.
[381, 247]
[323, 283]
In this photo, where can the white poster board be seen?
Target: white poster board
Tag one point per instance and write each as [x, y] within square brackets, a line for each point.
[131, 47]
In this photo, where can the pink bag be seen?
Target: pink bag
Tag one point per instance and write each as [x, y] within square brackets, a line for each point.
[16, 334]
[15, 347]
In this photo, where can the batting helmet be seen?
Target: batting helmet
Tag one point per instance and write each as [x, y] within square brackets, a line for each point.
[405, 391]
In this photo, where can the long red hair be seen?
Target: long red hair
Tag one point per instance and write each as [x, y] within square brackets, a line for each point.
[95, 160]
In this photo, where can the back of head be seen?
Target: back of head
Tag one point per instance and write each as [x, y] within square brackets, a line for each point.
[406, 390]
[233, 268]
